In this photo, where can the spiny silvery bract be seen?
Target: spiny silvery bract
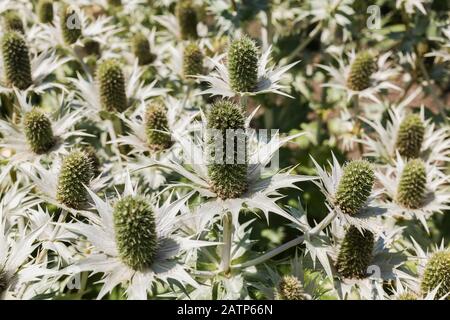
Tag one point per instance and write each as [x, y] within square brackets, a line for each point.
[362, 68]
[13, 22]
[243, 64]
[16, 60]
[157, 127]
[45, 11]
[141, 49]
[187, 19]
[111, 82]
[192, 60]
[38, 131]
[355, 186]
[290, 288]
[355, 253]
[70, 24]
[411, 190]
[135, 229]
[437, 272]
[227, 180]
[410, 136]
[76, 173]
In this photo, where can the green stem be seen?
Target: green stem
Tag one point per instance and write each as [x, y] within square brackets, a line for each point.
[225, 263]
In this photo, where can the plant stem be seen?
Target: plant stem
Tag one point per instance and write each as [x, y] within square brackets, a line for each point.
[225, 263]
[314, 231]
[302, 45]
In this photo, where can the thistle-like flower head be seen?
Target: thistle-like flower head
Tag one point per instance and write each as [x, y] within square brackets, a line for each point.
[13, 22]
[16, 60]
[91, 47]
[156, 126]
[361, 69]
[38, 131]
[411, 190]
[70, 24]
[407, 296]
[91, 153]
[243, 64]
[290, 288]
[135, 228]
[410, 136]
[187, 19]
[355, 186]
[192, 60]
[141, 49]
[228, 180]
[45, 11]
[437, 272]
[76, 173]
[355, 253]
[111, 84]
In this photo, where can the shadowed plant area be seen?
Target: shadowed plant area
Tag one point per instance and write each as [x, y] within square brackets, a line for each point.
[224, 150]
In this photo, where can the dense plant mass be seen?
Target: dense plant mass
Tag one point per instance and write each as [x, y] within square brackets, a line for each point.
[225, 149]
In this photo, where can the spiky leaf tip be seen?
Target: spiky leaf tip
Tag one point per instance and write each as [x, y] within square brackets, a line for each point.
[38, 131]
[135, 229]
[187, 19]
[13, 22]
[141, 49]
[70, 24]
[411, 189]
[45, 11]
[227, 173]
[243, 64]
[192, 60]
[361, 70]
[355, 253]
[111, 82]
[437, 272]
[16, 60]
[410, 136]
[355, 186]
[157, 127]
[76, 173]
[290, 288]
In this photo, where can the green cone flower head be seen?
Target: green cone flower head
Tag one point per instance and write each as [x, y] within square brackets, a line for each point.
[16, 60]
[38, 131]
[93, 159]
[76, 172]
[407, 296]
[410, 136]
[135, 229]
[355, 254]
[141, 49]
[355, 186]
[45, 11]
[70, 24]
[228, 180]
[290, 288]
[411, 190]
[437, 271]
[115, 3]
[13, 22]
[192, 60]
[361, 70]
[156, 122]
[91, 47]
[187, 19]
[243, 65]
[111, 82]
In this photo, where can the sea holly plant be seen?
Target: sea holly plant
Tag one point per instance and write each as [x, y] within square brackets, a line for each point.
[224, 150]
